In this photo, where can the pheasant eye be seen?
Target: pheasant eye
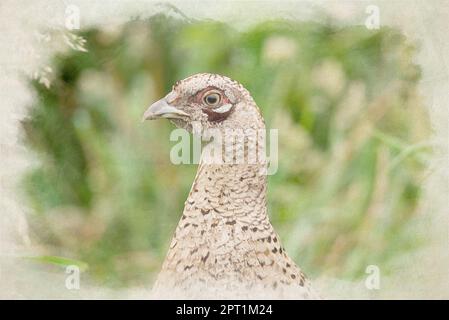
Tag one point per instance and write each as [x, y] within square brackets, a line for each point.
[212, 99]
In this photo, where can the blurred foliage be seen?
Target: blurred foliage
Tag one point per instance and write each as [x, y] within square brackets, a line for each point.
[60, 261]
[352, 132]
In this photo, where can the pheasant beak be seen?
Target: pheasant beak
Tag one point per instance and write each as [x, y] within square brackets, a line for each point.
[161, 109]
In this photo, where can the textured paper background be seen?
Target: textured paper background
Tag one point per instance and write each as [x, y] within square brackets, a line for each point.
[424, 275]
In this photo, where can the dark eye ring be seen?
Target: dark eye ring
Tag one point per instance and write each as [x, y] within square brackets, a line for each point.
[212, 99]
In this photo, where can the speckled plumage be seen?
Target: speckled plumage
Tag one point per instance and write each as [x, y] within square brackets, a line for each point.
[224, 245]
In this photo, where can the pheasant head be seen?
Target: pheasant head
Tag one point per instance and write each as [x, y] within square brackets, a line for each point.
[212, 100]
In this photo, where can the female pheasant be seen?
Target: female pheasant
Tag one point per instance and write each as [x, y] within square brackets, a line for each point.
[224, 245]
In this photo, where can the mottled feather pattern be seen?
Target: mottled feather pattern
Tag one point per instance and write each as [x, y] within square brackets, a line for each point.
[224, 245]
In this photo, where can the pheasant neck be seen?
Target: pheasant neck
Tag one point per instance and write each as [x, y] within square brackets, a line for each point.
[234, 188]
[225, 213]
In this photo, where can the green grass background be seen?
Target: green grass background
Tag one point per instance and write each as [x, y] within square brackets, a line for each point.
[353, 147]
